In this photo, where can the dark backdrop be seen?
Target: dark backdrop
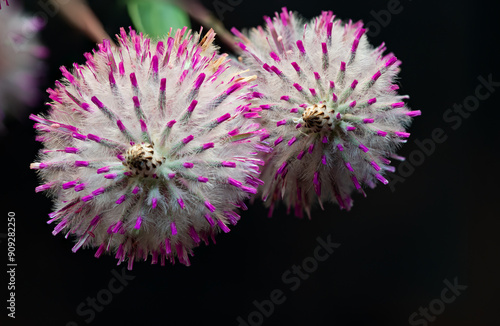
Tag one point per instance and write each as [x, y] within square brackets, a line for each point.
[396, 247]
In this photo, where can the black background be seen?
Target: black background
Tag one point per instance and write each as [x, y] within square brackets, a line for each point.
[396, 247]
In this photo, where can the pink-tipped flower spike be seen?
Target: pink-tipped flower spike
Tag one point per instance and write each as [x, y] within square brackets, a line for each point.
[6, 2]
[330, 106]
[147, 148]
[21, 62]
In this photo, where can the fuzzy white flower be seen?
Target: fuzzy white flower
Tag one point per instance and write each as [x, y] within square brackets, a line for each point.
[147, 150]
[329, 102]
[21, 62]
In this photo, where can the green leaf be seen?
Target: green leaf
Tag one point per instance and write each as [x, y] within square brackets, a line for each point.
[155, 17]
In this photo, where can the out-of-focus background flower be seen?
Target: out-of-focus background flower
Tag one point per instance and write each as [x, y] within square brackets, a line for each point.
[21, 64]
[437, 220]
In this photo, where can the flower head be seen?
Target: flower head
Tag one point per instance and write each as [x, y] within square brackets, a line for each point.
[147, 150]
[21, 64]
[329, 102]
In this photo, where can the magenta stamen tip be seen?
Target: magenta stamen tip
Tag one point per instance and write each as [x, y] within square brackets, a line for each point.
[138, 223]
[228, 164]
[223, 118]
[208, 145]
[295, 66]
[120, 125]
[210, 207]
[192, 106]
[136, 101]
[121, 199]
[300, 46]
[234, 182]
[375, 165]
[81, 163]
[111, 176]
[297, 87]
[281, 122]
[402, 134]
[363, 148]
[274, 56]
[397, 105]
[391, 61]
[414, 113]
[173, 228]
[103, 169]
[334, 97]
[223, 227]
[199, 80]
[87, 198]
[381, 179]
[188, 139]
[144, 127]
[133, 79]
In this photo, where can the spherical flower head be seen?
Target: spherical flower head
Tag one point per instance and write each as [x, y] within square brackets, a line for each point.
[21, 64]
[329, 102]
[147, 150]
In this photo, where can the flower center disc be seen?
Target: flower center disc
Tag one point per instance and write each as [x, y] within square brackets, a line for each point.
[315, 117]
[140, 159]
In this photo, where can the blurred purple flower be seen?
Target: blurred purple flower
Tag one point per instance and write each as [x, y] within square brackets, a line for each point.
[21, 64]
